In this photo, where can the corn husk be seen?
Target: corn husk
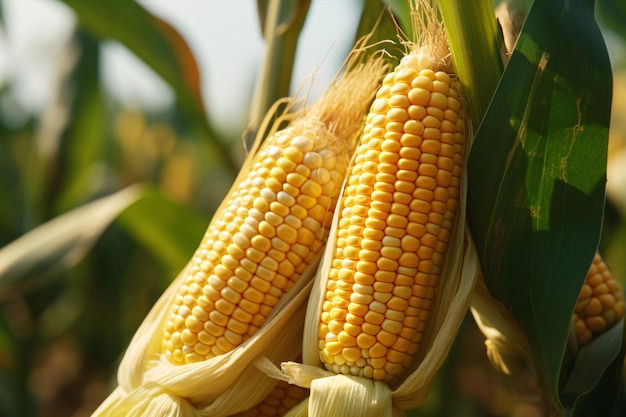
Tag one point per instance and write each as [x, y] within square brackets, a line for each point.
[332, 393]
[340, 395]
[511, 20]
[506, 343]
[148, 384]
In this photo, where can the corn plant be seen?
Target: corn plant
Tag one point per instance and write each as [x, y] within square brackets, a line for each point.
[518, 237]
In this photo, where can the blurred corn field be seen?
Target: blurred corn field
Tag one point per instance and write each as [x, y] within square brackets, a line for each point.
[103, 201]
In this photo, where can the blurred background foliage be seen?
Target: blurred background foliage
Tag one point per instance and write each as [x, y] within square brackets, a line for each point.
[110, 170]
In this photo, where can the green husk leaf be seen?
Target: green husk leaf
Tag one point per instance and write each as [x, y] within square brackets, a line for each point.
[402, 11]
[608, 398]
[476, 44]
[378, 22]
[589, 365]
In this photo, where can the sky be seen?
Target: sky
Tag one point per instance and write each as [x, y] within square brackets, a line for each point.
[36, 31]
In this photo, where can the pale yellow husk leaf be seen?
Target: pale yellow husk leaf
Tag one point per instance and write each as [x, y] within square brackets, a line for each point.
[511, 20]
[149, 385]
[340, 395]
[506, 344]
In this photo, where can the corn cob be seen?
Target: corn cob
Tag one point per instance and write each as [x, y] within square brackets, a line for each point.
[271, 228]
[600, 304]
[396, 218]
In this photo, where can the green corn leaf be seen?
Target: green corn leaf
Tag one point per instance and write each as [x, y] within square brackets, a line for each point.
[377, 20]
[57, 245]
[84, 141]
[281, 23]
[402, 11]
[537, 172]
[169, 231]
[613, 15]
[151, 39]
[608, 398]
[162, 48]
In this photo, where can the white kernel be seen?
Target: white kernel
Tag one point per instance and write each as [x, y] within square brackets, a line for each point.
[329, 157]
[302, 143]
[225, 236]
[268, 194]
[312, 160]
[249, 222]
[380, 106]
[219, 246]
[254, 217]
[241, 240]
[274, 152]
[321, 175]
[184, 311]
[248, 231]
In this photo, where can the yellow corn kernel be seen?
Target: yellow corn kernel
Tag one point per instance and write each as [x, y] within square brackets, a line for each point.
[600, 303]
[235, 277]
[408, 193]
